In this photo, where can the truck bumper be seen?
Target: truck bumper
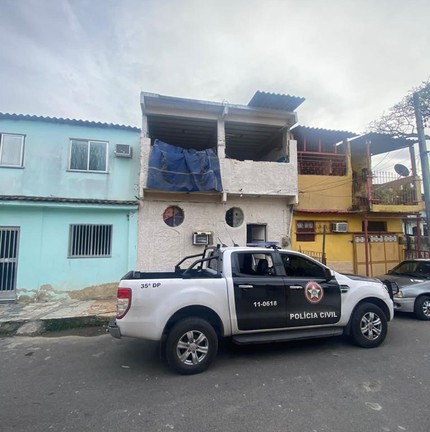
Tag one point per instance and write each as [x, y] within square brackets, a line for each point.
[113, 329]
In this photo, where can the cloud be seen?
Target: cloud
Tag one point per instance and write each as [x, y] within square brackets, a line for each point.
[90, 59]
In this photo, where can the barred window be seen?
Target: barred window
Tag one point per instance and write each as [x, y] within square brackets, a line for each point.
[90, 241]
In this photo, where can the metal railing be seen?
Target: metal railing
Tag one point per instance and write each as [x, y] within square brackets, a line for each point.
[387, 189]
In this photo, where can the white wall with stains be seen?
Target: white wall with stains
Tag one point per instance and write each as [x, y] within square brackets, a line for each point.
[161, 247]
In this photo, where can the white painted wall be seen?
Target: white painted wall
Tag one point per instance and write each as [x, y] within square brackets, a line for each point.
[161, 246]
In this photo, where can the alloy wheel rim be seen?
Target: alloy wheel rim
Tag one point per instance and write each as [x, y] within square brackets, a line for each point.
[371, 326]
[426, 308]
[192, 347]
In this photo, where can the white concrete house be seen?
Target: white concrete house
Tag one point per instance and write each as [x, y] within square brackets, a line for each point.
[258, 164]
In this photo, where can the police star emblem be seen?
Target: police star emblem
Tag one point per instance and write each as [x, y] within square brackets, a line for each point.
[314, 292]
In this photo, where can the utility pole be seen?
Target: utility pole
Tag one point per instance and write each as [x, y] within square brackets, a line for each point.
[423, 154]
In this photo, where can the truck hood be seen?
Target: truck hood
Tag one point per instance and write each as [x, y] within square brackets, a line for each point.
[359, 278]
[352, 279]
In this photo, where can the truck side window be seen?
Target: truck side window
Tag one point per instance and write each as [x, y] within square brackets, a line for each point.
[297, 266]
[255, 264]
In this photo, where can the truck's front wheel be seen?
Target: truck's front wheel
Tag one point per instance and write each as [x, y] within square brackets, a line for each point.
[191, 346]
[368, 326]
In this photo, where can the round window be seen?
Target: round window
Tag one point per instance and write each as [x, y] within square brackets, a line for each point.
[173, 216]
[234, 217]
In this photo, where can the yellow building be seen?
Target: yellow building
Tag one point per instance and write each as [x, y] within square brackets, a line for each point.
[348, 214]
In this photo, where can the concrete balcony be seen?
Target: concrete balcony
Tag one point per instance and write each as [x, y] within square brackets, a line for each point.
[254, 178]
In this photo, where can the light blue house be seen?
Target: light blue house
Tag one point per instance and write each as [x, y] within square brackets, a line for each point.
[68, 207]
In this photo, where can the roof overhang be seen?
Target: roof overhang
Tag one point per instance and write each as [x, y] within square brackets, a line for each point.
[380, 143]
[159, 105]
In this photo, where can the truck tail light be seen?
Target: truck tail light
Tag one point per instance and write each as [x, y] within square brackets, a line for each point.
[123, 302]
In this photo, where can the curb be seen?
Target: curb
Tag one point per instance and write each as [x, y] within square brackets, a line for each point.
[41, 326]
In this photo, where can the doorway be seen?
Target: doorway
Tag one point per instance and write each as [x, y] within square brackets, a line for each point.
[9, 239]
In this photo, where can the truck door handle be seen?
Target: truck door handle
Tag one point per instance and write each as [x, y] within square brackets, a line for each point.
[246, 286]
[296, 287]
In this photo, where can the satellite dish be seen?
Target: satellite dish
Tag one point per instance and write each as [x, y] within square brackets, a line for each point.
[401, 170]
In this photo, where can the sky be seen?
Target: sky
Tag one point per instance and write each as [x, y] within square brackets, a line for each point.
[90, 59]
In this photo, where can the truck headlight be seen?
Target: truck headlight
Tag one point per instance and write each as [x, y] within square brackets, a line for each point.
[399, 294]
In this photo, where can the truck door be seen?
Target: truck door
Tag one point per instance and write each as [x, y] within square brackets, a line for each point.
[259, 292]
[312, 297]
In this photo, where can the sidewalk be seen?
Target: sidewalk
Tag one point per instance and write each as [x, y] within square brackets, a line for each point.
[32, 319]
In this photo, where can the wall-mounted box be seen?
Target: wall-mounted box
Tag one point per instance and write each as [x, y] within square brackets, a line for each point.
[201, 238]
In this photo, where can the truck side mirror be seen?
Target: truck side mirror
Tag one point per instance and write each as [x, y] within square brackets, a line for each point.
[328, 274]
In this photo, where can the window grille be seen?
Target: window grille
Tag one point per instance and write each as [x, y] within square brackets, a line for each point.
[90, 241]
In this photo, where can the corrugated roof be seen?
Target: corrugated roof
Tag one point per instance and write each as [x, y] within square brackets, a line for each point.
[87, 123]
[66, 200]
[381, 143]
[329, 135]
[275, 101]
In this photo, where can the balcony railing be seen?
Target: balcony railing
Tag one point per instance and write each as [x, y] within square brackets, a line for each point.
[326, 164]
[386, 189]
[389, 189]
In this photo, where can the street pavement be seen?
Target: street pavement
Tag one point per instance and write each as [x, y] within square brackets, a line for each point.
[63, 381]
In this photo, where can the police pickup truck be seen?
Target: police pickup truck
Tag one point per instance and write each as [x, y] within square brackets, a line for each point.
[252, 295]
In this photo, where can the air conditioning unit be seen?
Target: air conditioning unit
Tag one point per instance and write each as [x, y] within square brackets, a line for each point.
[339, 227]
[123, 150]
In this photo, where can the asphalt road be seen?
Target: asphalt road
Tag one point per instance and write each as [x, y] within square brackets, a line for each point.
[92, 382]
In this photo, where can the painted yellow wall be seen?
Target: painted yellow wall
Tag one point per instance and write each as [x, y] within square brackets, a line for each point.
[338, 246]
[325, 192]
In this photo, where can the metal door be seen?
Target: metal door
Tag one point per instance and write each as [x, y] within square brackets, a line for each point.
[9, 239]
[311, 298]
[259, 293]
[384, 253]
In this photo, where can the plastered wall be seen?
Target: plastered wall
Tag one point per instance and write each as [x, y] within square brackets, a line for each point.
[161, 246]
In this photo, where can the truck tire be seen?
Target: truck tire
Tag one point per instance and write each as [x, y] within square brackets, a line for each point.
[191, 346]
[422, 308]
[368, 326]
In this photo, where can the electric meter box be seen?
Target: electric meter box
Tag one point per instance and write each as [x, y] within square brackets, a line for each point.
[201, 238]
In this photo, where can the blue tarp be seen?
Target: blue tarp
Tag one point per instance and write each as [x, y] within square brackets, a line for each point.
[173, 168]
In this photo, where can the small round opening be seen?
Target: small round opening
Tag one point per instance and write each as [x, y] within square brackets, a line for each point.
[234, 217]
[173, 216]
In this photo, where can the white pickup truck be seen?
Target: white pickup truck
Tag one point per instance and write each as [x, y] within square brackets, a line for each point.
[251, 295]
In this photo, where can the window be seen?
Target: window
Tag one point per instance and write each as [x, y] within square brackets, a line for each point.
[11, 150]
[173, 216]
[375, 226]
[254, 264]
[234, 217]
[90, 241]
[305, 231]
[298, 266]
[88, 155]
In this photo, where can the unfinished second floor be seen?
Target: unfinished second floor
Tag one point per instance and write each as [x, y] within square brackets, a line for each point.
[338, 171]
[53, 158]
[249, 147]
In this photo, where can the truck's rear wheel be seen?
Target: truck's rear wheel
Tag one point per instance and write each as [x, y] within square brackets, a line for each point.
[191, 346]
[369, 325]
